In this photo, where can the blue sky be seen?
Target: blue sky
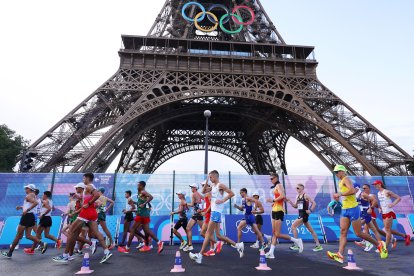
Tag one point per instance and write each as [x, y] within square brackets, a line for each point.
[54, 54]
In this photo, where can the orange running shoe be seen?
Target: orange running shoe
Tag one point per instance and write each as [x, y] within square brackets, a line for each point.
[407, 240]
[59, 244]
[28, 251]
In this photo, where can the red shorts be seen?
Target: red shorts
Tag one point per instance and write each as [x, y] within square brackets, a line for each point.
[389, 215]
[142, 220]
[88, 214]
[207, 218]
[373, 214]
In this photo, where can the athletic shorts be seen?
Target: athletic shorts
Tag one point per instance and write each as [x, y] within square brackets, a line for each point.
[197, 217]
[259, 220]
[182, 222]
[389, 215]
[366, 217]
[304, 217]
[129, 217]
[28, 220]
[101, 216]
[216, 217]
[45, 221]
[250, 219]
[373, 214]
[208, 216]
[73, 218]
[142, 220]
[88, 214]
[279, 215]
[352, 213]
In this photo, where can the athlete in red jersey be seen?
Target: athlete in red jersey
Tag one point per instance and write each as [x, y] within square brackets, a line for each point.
[206, 212]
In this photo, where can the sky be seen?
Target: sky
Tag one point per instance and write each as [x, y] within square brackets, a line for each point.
[53, 54]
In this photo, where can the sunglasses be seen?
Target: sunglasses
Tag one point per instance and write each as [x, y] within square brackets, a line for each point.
[272, 178]
[364, 188]
[297, 188]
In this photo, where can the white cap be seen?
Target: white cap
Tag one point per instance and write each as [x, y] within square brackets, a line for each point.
[194, 185]
[80, 185]
[181, 193]
[256, 193]
[30, 186]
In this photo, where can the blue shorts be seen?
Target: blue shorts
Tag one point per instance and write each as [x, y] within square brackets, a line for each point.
[250, 219]
[352, 213]
[216, 217]
[366, 217]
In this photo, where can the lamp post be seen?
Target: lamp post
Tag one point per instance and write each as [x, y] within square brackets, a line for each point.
[207, 114]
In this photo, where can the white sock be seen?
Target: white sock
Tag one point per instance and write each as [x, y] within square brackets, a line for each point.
[257, 242]
[269, 238]
[106, 251]
[272, 249]
[294, 240]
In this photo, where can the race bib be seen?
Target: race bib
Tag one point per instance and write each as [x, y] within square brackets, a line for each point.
[300, 206]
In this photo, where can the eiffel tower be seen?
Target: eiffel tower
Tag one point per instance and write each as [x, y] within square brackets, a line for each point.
[226, 56]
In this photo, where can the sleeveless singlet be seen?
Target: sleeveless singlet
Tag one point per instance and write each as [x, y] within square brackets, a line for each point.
[197, 205]
[128, 207]
[43, 211]
[215, 195]
[278, 205]
[142, 211]
[349, 201]
[208, 204]
[303, 204]
[384, 201]
[102, 208]
[27, 205]
[183, 213]
[247, 208]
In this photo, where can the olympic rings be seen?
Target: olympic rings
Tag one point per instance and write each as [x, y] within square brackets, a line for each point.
[228, 31]
[204, 29]
[237, 19]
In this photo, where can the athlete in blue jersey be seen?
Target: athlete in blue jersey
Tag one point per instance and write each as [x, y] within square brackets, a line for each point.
[249, 218]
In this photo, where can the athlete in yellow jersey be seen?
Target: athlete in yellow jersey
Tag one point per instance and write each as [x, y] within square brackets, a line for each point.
[351, 214]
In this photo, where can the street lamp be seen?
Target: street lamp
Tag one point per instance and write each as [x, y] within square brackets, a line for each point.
[207, 114]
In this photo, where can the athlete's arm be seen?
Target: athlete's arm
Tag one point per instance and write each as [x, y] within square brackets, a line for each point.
[294, 205]
[148, 196]
[229, 195]
[311, 201]
[47, 206]
[31, 198]
[193, 200]
[351, 189]
[259, 208]
[396, 201]
[238, 207]
[111, 203]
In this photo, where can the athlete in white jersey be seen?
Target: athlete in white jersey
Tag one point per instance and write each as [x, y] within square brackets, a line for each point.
[217, 206]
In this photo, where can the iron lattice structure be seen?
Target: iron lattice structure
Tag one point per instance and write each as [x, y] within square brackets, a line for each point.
[261, 92]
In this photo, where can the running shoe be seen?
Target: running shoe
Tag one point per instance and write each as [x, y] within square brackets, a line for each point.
[140, 245]
[71, 258]
[382, 247]
[106, 257]
[268, 237]
[123, 249]
[394, 243]
[44, 247]
[269, 255]
[28, 251]
[335, 256]
[59, 244]
[317, 248]
[110, 247]
[78, 252]
[188, 248]
[61, 259]
[38, 248]
[368, 246]
[294, 247]
[219, 247]
[183, 244]
[210, 253]
[264, 246]
[407, 240]
[255, 245]
[93, 247]
[299, 243]
[145, 248]
[360, 243]
[240, 249]
[160, 246]
[376, 251]
[197, 257]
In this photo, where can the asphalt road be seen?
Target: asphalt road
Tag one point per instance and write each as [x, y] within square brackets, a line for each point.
[287, 262]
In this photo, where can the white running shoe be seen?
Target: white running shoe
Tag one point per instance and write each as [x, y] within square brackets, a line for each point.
[140, 245]
[368, 246]
[93, 247]
[268, 237]
[188, 248]
[299, 243]
[183, 244]
[240, 249]
[197, 257]
[269, 255]
[255, 245]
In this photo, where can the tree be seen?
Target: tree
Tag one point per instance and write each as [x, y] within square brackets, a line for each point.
[11, 145]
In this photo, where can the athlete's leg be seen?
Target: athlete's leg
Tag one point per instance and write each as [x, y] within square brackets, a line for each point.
[356, 225]
[298, 222]
[371, 226]
[242, 224]
[148, 232]
[259, 234]
[93, 226]
[126, 230]
[177, 234]
[315, 237]
[189, 231]
[74, 232]
[210, 232]
[49, 236]
[18, 237]
[276, 232]
[106, 230]
[221, 237]
[29, 236]
[345, 223]
[387, 228]
[38, 235]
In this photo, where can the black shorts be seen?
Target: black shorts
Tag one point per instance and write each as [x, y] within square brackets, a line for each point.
[28, 220]
[129, 217]
[259, 220]
[197, 217]
[182, 222]
[304, 216]
[279, 215]
[45, 221]
[101, 216]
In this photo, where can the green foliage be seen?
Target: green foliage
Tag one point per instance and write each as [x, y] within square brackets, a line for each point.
[11, 145]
